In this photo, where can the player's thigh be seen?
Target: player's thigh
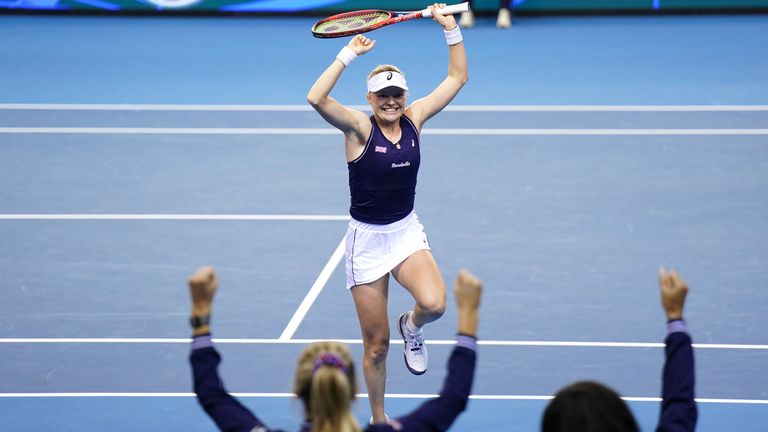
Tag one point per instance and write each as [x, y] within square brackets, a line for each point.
[371, 305]
[420, 275]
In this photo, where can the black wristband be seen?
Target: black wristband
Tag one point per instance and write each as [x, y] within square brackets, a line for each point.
[199, 321]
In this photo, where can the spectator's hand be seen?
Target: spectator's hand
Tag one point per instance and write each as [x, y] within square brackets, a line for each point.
[361, 44]
[202, 287]
[673, 292]
[447, 21]
[467, 290]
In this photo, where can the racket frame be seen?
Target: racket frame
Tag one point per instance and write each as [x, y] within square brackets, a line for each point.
[394, 18]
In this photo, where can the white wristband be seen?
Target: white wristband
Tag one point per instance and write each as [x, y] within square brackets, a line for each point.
[346, 55]
[453, 36]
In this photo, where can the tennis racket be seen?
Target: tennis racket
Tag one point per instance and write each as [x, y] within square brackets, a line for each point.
[362, 21]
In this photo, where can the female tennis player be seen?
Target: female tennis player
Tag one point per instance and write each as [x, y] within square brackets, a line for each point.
[385, 236]
[325, 373]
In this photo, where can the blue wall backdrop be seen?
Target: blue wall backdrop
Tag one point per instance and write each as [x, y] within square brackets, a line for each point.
[331, 6]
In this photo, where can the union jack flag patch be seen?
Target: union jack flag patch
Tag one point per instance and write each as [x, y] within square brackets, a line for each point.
[381, 149]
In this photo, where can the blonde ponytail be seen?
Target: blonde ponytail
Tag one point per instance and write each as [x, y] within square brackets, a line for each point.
[325, 382]
[330, 402]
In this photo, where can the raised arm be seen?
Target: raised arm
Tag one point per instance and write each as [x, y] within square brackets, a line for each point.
[224, 410]
[438, 414]
[458, 74]
[678, 406]
[349, 121]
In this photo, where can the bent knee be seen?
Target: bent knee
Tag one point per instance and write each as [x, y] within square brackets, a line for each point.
[435, 307]
[376, 349]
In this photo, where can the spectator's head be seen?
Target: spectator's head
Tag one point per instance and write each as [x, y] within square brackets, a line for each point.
[588, 407]
[326, 384]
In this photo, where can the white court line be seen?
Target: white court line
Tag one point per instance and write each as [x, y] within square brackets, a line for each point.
[169, 131]
[174, 217]
[455, 108]
[331, 263]
[155, 107]
[606, 108]
[583, 132]
[318, 286]
[331, 131]
[359, 395]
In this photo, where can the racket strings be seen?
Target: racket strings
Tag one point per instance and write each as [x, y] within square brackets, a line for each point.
[351, 22]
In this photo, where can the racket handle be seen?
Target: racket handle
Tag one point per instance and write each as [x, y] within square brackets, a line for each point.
[448, 10]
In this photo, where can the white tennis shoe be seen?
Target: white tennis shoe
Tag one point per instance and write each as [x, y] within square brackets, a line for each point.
[415, 352]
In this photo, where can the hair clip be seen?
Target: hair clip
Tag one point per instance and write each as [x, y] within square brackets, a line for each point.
[328, 359]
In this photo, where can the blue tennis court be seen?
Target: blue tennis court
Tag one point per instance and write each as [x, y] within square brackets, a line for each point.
[583, 154]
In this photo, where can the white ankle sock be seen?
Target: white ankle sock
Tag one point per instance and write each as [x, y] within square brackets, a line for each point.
[410, 325]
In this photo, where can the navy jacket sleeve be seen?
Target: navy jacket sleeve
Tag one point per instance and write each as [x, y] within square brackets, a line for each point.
[439, 413]
[228, 414]
[678, 406]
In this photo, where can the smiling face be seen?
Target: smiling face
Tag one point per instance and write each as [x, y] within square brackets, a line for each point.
[387, 104]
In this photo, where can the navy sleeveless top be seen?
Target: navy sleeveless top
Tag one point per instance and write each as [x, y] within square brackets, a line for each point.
[382, 181]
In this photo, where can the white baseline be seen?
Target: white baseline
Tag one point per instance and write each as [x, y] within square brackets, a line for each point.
[331, 131]
[257, 341]
[454, 108]
[360, 395]
[171, 217]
